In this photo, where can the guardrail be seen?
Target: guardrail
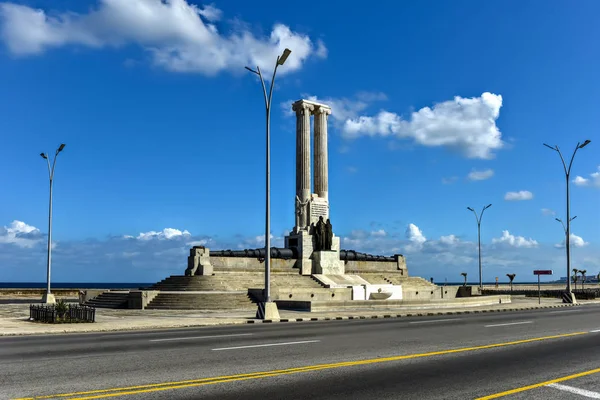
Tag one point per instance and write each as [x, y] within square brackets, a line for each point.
[50, 314]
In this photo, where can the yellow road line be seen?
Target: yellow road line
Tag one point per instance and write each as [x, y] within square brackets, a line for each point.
[129, 390]
[541, 384]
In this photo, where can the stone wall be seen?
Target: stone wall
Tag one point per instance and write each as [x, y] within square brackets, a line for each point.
[398, 266]
[247, 263]
[305, 294]
[200, 262]
[425, 293]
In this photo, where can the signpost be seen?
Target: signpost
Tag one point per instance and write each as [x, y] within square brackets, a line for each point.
[539, 272]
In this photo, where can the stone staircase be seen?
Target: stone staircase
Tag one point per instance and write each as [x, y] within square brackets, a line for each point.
[223, 290]
[201, 301]
[414, 281]
[321, 284]
[233, 281]
[397, 279]
[109, 299]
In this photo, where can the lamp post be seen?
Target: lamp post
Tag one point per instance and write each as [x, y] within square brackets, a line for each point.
[568, 224]
[48, 297]
[478, 218]
[267, 309]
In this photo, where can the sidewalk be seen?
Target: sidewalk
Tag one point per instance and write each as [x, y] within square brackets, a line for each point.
[14, 317]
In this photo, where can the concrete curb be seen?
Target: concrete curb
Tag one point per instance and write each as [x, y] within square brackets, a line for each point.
[123, 329]
[258, 321]
[424, 314]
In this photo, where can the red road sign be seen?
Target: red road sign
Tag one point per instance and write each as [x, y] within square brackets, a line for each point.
[542, 272]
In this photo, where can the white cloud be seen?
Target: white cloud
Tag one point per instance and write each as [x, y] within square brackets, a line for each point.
[593, 180]
[258, 241]
[467, 125]
[21, 234]
[475, 175]
[202, 242]
[547, 211]
[518, 196]
[576, 241]
[415, 237]
[115, 259]
[342, 109]
[167, 233]
[449, 240]
[379, 233]
[514, 241]
[179, 36]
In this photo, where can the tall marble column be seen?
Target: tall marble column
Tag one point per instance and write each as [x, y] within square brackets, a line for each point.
[320, 150]
[303, 111]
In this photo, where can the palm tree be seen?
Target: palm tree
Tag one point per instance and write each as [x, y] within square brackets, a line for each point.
[582, 272]
[511, 277]
[575, 271]
[464, 275]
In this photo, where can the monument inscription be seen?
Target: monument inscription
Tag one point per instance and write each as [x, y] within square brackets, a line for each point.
[318, 208]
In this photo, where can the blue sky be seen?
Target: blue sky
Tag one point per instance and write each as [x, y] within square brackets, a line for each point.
[436, 106]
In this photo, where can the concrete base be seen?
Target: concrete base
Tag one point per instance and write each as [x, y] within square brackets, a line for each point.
[569, 297]
[328, 263]
[48, 298]
[267, 310]
[305, 266]
[399, 305]
[139, 299]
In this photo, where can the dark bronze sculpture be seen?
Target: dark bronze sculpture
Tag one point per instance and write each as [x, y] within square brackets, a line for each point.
[323, 232]
[328, 235]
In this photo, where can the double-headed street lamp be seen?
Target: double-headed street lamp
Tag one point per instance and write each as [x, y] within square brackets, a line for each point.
[49, 297]
[568, 224]
[267, 307]
[478, 218]
[563, 224]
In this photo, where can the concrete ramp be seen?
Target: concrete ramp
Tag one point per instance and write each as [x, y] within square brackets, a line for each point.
[340, 281]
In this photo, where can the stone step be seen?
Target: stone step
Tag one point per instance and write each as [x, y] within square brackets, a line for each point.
[109, 300]
[232, 281]
[201, 301]
[198, 307]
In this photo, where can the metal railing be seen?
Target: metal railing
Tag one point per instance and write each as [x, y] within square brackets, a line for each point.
[73, 313]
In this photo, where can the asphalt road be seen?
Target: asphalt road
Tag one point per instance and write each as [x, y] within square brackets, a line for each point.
[465, 356]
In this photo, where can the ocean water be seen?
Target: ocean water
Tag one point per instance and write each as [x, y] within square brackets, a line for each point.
[74, 285]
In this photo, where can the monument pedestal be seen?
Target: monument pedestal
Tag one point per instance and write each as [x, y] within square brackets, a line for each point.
[308, 263]
[328, 263]
[48, 298]
[199, 262]
[302, 241]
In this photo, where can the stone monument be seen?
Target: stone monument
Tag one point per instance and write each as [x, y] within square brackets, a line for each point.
[317, 247]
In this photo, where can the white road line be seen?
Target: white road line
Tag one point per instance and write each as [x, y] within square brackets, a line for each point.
[510, 323]
[434, 320]
[582, 392]
[562, 311]
[266, 345]
[199, 337]
[595, 331]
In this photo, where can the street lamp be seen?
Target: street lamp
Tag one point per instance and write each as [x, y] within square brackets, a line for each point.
[568, 224]
[267, 309]
[48, 297]
[478, 218]
[563, 224]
